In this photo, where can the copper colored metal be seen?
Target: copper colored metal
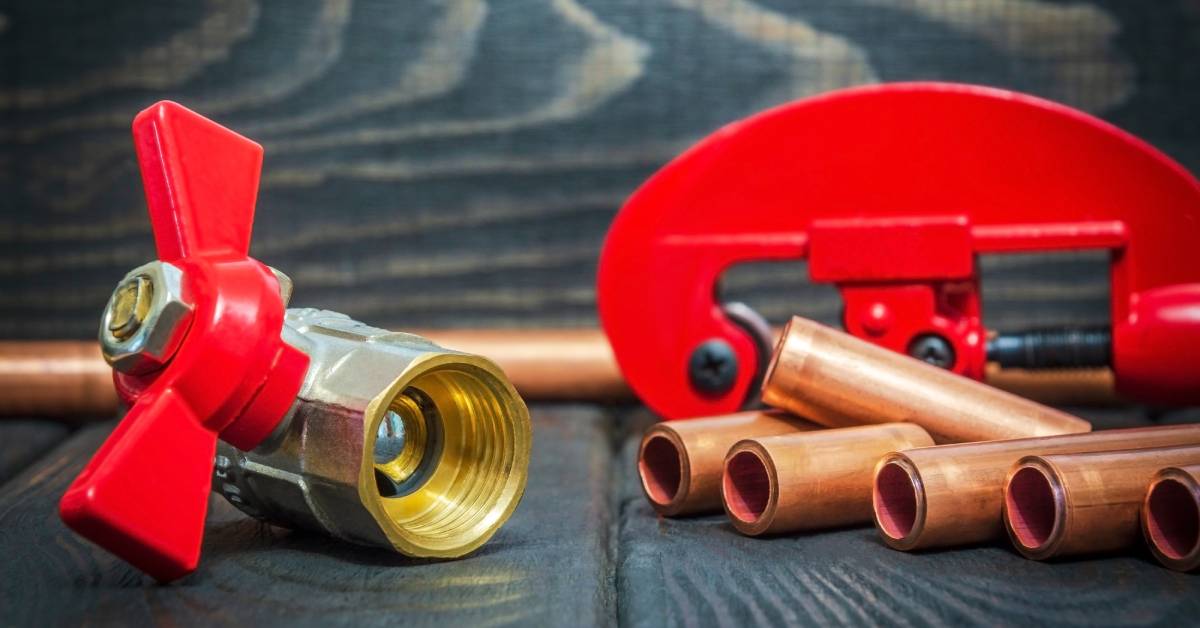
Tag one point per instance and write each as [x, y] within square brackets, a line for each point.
[953, 495]
[546, 364]
[68, 378]
[838, 380]
[680, 462]
[1072, 504]
[55, 378]
[809, 480]
[1171, 517]
[1058, 387]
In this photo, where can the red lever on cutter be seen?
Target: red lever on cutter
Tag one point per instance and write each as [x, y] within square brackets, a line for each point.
[891, 192]
[145, 493]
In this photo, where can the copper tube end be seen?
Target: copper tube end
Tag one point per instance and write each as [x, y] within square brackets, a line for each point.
[1089, 503]
[681, 462]
[838, 380]
[898, 500]
[661, 465]
[1171, 517]
[750, 488]
[809, 481]
[1034, 509]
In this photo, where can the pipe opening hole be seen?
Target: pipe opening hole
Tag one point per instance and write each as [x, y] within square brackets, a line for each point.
[407, 443]
[747, 486]
[661, 469]
[1031, 507]
[458, 456]
[1173, 519]
[895, 501]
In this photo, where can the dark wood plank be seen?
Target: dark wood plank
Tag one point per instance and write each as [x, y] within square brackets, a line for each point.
[470, 155]
[699, 571]
[549, 564]
[22, 441]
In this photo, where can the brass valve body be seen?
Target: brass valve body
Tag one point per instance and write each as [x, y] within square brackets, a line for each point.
[392, 441]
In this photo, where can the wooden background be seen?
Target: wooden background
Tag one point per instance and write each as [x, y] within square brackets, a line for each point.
[457, 162]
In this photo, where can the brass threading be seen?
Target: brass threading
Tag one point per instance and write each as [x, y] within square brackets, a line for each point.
[473, 484]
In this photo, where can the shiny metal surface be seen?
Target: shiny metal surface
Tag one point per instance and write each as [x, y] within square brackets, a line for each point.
[838, 380]
[1071, 504]
[393, 441]
[1171, 517]
[145, 319]
[810, 480]
[953, 495]
[681, 462]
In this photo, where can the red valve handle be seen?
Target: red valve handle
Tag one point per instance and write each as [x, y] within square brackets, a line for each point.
[144, 494]
[891, 192]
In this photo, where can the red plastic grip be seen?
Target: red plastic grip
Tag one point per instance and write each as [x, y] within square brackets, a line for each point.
[144, 495]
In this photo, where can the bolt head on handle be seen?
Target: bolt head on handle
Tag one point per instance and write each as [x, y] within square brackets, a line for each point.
[195, 338]
[146, 319]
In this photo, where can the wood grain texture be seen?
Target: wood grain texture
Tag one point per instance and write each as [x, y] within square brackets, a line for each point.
[23, 441]
[584, 548]
[551, 564]
[700, 572]
[457, 162]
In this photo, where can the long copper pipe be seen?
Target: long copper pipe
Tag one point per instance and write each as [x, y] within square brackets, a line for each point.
[1072, 504]
[809, 480]
[67, 378]
[1171, 517]
[680, 462]
[838, 380]
[55, 378]
[953, 495]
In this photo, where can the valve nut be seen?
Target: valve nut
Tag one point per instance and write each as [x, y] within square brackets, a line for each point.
[145, 320]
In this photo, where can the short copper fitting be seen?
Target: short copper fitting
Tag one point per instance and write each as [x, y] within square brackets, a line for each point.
[680, 462]
[1072, 504]
[809, 480]
[838, 380]
[1171, 517]
[953, 495]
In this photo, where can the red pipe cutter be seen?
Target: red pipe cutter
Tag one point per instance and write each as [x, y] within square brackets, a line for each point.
[891, 192]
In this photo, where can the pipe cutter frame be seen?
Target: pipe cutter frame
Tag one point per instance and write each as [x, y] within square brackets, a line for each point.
[891, 192]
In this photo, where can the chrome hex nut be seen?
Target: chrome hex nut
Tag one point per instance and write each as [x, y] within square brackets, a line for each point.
[146, 319]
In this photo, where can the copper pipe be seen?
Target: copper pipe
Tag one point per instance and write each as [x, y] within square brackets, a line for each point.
[545, 364]
[1071, 504]
[680, 462]
[1057, 387]
[810, 480]
[1171, 517]
[68, 377]
[838, 380]
[51, 378]
[953, 495]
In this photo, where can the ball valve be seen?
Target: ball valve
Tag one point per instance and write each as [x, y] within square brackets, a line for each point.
[324, 423]
[891, 192]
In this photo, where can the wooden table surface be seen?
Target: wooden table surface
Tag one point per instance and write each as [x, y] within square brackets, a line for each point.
[584, 548]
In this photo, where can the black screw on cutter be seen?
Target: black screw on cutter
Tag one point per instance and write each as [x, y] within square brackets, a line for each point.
[713, 366]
